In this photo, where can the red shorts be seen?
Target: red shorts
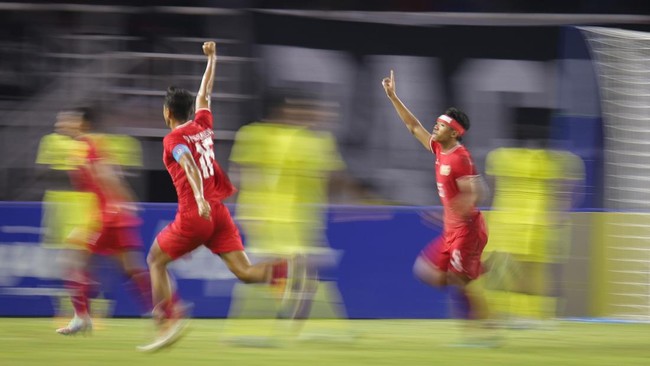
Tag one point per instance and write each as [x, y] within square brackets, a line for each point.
[113, 240]
[459, 250]
[188, 231]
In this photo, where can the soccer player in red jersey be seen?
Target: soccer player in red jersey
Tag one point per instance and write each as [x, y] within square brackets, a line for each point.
[202, 218]
[455, 257]
[114, 232]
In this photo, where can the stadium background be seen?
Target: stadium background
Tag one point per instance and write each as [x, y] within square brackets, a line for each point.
[517, 72]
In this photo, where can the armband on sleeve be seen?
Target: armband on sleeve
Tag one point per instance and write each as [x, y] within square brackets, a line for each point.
[179, 150]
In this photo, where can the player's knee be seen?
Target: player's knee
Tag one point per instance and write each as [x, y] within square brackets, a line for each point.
[156, 257]
[151, 259]
[428, 273]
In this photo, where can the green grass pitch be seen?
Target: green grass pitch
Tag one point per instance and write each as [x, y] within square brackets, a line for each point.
[26, 342]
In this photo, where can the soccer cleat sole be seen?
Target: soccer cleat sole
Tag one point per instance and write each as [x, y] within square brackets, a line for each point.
[171, 337]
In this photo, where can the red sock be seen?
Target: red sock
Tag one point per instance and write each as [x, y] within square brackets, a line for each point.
[170, 306]
[79, 294]
[279, 271]
[142, 290]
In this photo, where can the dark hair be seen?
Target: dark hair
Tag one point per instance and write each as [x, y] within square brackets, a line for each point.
[86, 113]
[180, 102]
[279, 97]
[460, 117]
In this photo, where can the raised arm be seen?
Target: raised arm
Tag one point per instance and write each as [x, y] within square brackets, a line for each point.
[203, 95]
[414, 126]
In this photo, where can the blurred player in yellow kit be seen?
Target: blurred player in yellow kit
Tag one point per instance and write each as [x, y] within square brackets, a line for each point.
[284, 166]
[64, 208]
[529, 228]
[75, 217]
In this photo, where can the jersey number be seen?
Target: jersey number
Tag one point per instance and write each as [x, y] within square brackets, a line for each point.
[457, 260]
[441, 190]
[204, 148]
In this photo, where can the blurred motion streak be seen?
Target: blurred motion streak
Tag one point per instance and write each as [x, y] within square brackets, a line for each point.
[284, 166]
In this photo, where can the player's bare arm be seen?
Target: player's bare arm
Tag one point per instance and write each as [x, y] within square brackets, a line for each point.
[196, 182]
[110, 180]
[412, 123]
[472, 190]
[203, 95]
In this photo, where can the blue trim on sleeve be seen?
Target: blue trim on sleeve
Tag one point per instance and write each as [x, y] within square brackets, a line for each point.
[179, 150]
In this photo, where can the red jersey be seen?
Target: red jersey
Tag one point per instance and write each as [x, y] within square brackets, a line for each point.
[84, 179]
[451, 166]
[197, 136]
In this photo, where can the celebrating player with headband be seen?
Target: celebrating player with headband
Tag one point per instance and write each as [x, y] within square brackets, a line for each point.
[451, 122]
[455, 257]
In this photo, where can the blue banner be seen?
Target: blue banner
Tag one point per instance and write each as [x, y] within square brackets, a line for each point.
[376, 247]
